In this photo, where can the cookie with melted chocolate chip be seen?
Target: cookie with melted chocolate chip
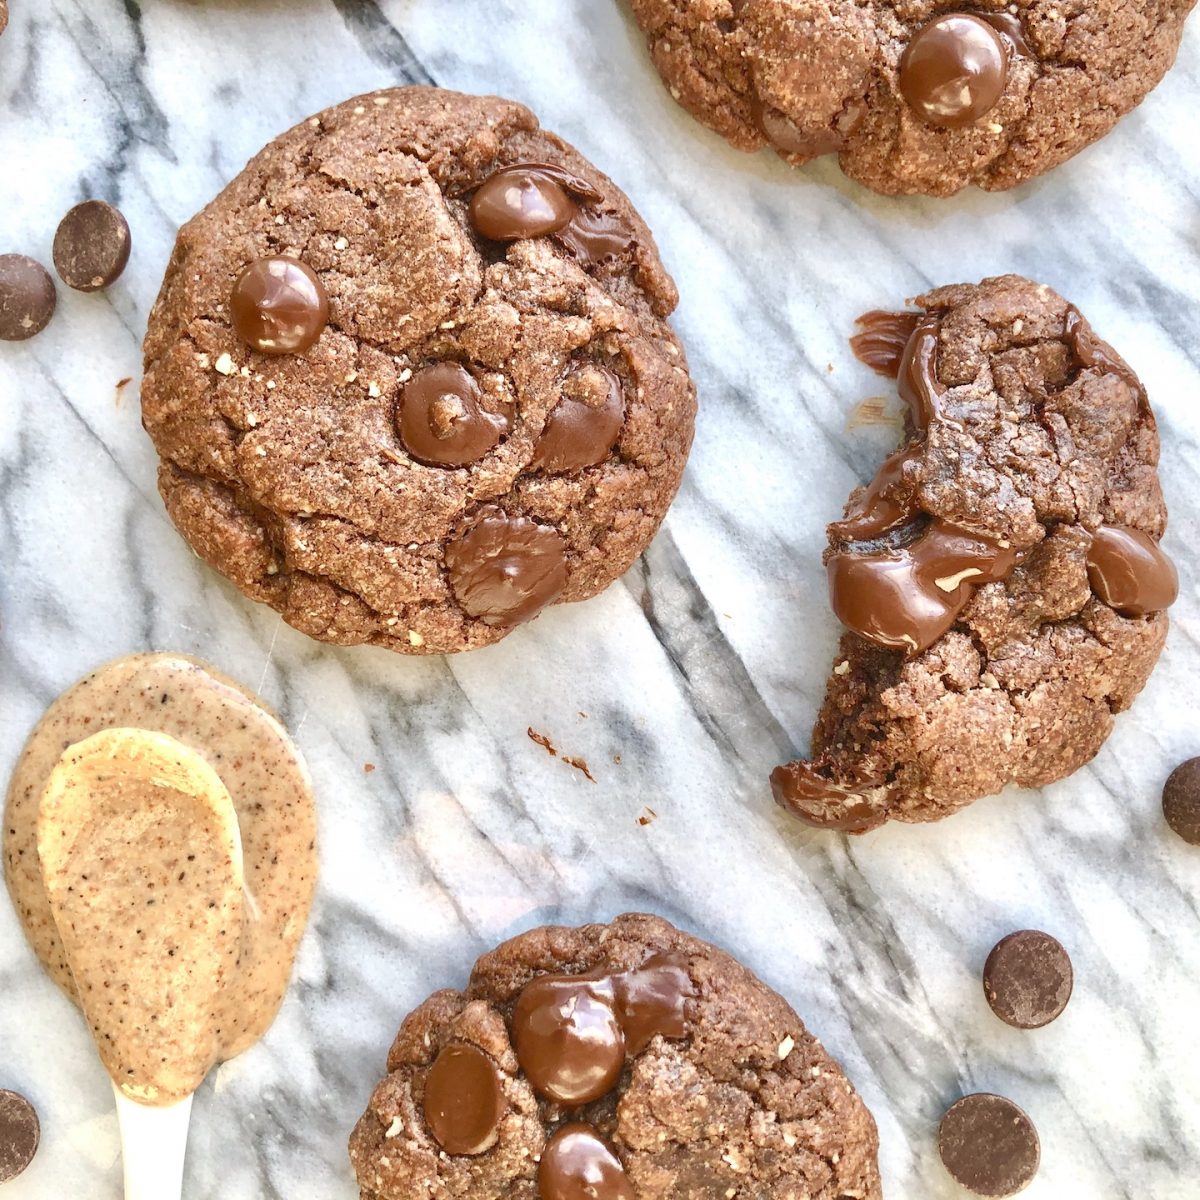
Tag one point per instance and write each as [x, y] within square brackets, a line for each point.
[410, 377]
[627, 1061]
[1001, 578]
[914, 97]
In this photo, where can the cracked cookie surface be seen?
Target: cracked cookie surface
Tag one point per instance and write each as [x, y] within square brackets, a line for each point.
[290, 473]
[815, 77]
[745, 1103]
[1028, 481]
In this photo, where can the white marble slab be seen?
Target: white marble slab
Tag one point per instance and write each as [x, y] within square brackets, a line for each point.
[700, 670]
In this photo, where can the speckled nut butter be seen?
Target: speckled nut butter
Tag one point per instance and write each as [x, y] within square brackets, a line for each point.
[221, 725]
[142, 863]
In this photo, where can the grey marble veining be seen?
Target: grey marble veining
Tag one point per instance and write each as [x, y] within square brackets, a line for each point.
[699, 670]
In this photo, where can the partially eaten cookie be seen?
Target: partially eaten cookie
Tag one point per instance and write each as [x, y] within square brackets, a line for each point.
[1000, 578]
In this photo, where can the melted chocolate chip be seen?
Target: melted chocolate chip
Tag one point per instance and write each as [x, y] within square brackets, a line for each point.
[577, 1164]
[907, 597]
[464, 1102]
[989, 1145]
[882, 340]
[27, 297]
[787, 137]
[918, 382]
[441, 421]
[569, 1041]
[1181, 801]
[1129, 572]
[584, 425]
[91, 246]
[504, 570]
[279, 305]
[651, 1001]
[888, 502]
[822, 803]
[538, 200]
[573, 1033]
[596, 237]
[1028, 979]
[954, 71]
[20, 1134]
[526, 201]
[1092, 353]
[1010, 27]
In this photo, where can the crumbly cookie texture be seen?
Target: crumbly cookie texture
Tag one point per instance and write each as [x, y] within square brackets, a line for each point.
[748, 1104]
[814, 77]
[1033, 449]
[287, 473]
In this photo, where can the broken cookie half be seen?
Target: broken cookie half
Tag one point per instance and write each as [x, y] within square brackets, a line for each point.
[1000, 578]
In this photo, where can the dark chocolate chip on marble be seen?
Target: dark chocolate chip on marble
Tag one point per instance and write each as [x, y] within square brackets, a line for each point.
[91, 247]
[1028, 979]
[989, 1145]
[1181, 801]
[20, 1134]
[27, 297]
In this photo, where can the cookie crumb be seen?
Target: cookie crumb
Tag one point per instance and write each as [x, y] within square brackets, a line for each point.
[225, 365]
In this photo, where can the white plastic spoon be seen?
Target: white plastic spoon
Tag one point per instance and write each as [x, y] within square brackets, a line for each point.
[153, 1146]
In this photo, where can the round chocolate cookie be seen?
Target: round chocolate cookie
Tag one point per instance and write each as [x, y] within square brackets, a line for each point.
[1001, 576]
[617, 1062]
[410, 376]
[914, 97]
[3, 15]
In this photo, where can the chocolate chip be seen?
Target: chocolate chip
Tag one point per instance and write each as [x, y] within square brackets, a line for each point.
[91, 247]
[279, 305]
[989, 1145]
[577, 1164]
[20, 1134]
[1181, 801]
[1129, 572]
[954, 71]
[525, 201]
[440, 418]
[27, 297]
[568, 1038]
[582, 428]
[464, 1101]
[1028, 979]
[505, 570]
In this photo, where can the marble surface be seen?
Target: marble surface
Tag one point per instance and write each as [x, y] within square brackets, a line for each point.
[700, 670]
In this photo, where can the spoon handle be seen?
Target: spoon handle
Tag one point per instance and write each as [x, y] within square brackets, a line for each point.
[153, 1145]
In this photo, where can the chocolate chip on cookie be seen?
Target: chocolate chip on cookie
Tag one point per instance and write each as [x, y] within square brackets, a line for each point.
[279, 305]
[954, 70]
[91, 246]
[463, 1102]
[1000, 576]
[442, 392]
[27, 297]
[989, 1145]
[608, 1041]
[577, 1164]
[1028, 979]
[1181, 801]
[912, 97]
[20, 1134]
[441, 418]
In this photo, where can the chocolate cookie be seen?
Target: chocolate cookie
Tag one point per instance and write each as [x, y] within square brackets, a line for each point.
[912, 97]
[3, 15]
[410, 376]
[1001, 576]
[629, 1059]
